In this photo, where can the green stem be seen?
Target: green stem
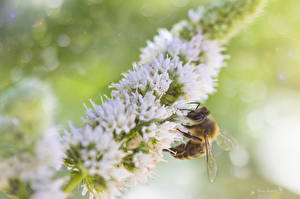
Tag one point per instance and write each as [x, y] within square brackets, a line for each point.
[21, 190]
[74, 181]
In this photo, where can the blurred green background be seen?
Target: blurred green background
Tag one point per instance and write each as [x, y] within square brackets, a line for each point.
[80, 47]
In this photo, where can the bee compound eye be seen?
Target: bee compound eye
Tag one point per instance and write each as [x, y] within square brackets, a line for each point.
[199, 116]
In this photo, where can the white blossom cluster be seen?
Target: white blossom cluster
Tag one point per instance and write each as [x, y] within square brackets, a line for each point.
[195, 62]
[123, 138]
[35, 169]
[30, 150]
[98, 157]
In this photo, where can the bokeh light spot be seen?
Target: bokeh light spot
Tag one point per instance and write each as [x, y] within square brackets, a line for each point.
[63, 40]
[147, 10]
[239, 156]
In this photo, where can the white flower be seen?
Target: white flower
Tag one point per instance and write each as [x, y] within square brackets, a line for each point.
[213, 57]
[144, 78]
[158, 46]
[144, 164]
[49, 155]
[149, 132]
[164, 64]
[174, 46]
[149, 108]
[166, 134]
[196, 84]
[139, 78]
[114, 115]
[198, 80]
[190, 50]
[95, 143]
[38, 168]
[100, 155]
[49, 149]
[7, 165]
[83, 136]
[196, 15]
[49, 190]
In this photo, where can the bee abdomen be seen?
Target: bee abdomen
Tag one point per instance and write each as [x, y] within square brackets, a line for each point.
[187, 151]
[182, 156]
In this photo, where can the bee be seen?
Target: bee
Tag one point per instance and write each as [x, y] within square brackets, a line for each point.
[201, 133]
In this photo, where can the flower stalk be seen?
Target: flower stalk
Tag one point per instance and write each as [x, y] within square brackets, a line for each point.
[223, 20]
[124, 135]
[73, 182]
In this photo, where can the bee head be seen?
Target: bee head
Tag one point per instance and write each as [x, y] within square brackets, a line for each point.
[199, 114]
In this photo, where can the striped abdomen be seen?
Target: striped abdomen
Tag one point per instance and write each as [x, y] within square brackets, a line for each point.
[189, 150]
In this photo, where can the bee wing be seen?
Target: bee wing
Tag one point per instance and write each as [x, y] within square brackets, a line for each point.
[210, 162]
[226, 141]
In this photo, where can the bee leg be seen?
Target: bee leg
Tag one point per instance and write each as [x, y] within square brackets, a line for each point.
[188, 126]
[181, 152]
[190, 136]
[175, 150]
[181, 156]
[185, 109]
[198, 104]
